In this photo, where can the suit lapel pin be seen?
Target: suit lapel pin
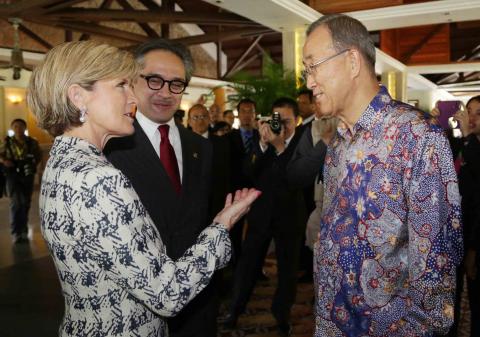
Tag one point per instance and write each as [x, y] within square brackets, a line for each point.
[195, 155]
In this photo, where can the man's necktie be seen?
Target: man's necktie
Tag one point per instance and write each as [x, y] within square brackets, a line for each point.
[168, 158]
[248, 142]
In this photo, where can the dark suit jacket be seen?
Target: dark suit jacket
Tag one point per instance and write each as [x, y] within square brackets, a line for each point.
[221, 174]
[179, 218]
[279, 200]
[308, 190]
[307, 161]
[241, 160]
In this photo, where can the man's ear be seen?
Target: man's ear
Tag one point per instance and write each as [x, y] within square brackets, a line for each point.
[76, 94]
[355, 59]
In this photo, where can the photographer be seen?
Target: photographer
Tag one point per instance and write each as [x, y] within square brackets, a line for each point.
[278, 214]
[20, 155]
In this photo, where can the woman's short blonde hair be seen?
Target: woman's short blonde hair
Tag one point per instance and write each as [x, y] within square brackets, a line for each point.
[78, 62]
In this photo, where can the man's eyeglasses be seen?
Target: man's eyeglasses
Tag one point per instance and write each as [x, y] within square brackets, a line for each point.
[199, 118]
[311, 67]
[155, 82]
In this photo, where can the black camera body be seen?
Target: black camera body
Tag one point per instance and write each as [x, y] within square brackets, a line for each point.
[25, 167]
[275, 123]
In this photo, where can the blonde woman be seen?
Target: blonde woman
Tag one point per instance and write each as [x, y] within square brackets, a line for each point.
[115, 275]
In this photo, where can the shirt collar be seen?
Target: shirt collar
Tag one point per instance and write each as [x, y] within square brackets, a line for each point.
[246, 133]
[373, 114]
[287, 141]
[150, 127]
[308, 119]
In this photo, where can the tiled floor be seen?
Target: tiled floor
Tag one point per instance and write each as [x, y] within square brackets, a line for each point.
[31, 304]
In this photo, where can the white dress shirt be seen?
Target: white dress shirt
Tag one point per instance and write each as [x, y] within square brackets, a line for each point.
[151, 130]
[308, 119]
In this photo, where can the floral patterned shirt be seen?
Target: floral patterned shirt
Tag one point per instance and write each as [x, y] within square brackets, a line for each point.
[390, 235]
[115, 275]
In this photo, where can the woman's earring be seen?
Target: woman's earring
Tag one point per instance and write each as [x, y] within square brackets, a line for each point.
[83, 112]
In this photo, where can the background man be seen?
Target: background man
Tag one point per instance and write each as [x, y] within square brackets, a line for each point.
[215, 114]
[229, 117]
[306, 106]
[390, 236]
[305, 170]
[198, 119]
[169, 167]
[20, 155]
[242, 142]
[277, 214]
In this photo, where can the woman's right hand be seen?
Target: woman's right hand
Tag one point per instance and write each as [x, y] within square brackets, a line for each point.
[236, 208]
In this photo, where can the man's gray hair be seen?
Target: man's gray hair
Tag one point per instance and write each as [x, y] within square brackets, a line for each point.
[347, 32]
[168, 45]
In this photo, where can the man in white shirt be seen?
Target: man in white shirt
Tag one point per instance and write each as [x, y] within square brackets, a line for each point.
[306, 106]
[199, 120]
[170, 168]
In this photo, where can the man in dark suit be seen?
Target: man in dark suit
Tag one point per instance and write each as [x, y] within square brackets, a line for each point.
[306, 107]
[199, 120]
[242, 142]
[277, 214]
[169, 167]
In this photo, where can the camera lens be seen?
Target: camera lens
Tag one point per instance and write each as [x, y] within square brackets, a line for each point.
[276, 123]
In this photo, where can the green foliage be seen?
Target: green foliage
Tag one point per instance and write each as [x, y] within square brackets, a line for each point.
[275, 82]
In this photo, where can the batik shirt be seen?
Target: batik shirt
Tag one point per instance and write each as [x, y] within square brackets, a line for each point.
[390, 235]
[115, 275]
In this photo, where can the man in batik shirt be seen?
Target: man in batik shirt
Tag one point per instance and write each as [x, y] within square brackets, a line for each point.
[390, 235]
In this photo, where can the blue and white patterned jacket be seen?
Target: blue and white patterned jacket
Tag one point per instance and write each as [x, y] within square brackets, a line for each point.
[115, 275]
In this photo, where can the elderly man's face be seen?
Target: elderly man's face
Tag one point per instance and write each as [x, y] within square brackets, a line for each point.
[159, 105]
[214, 112]
[329, 80]
[198, 119]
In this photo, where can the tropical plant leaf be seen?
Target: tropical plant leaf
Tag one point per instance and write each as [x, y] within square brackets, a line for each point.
[275, 82]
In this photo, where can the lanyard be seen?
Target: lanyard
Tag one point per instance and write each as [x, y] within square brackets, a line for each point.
[17, 150]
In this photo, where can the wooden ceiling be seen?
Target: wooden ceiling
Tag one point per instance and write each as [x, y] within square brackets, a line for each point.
[126, 23]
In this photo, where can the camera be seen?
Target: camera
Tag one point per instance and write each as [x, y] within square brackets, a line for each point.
[26, 167]
[275, 123]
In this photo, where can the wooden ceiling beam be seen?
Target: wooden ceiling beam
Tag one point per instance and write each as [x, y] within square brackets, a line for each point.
[149, 4]
[61, 5]
[95, 29]
[34, 36]
[424, 40]
[15, 9]
[158, 15]
[146, 28]
[244, 54]
[105, 4]
[224, 35]
[168, 7]
[244, 64]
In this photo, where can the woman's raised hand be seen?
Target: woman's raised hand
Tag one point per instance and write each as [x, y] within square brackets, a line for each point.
[236, 208]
